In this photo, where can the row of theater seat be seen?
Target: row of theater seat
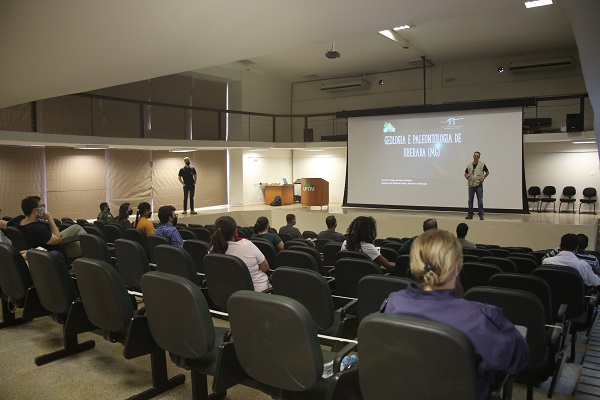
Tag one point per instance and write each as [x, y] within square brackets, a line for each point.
[535, 196]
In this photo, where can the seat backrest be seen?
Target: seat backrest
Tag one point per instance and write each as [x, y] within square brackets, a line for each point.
[589, 192]
[187, 333]
[402, 265]
[314, 253]
[17, 237]
[569, 191]
[534, 191]
[298, 242]
[549, 191]
[524, 265]
[309, 235]
[527, 283]
[202, 234]
[287, 325]
[520, 308]
[566, 287]
[477, 274]
[266, 247]
[92, 246]
[349, 271]
[499, 252]
[187, 234]
[225, 275]
[153, 241]
[469, 257]
[374, 289]
[388, 253]
[320, 244]
[94, 230]
[52, 281]
[310, 289]
[104, 295]
[82, 222]
[67, 220]
[298, 259]
[506, 264]
[175, 260]
[132, 262]
[538, 255]
[352, 254]
[113, 232]
[330, 251]
[15, 278]
[479, 252]
[139, 237]
[197, 250]
[285, 237]
[417, 343]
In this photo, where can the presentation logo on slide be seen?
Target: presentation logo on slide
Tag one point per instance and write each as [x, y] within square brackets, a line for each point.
[388, 127]
[450, 123]
[308, 187]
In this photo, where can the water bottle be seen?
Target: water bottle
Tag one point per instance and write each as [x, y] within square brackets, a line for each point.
[328, 369]
[346, 363]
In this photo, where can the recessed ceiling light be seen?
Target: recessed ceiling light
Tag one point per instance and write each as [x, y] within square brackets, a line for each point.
[538, 3]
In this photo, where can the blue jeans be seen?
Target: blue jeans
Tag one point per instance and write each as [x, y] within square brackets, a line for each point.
[188, 189]
[477, 190]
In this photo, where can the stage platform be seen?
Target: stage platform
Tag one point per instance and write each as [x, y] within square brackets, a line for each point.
[535, 230]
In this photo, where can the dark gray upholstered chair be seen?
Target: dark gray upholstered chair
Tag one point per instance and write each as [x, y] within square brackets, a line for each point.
[330, 251]
[349, 271]
[499, 252]
[266, 247]
[533, 196]
[58, 294]
[386, 339]
[351, 254]
[225, 275]
[320, 244]
[285, 237]
[291, 360]
[113, 232]
[298, 259]
[187, 234]
[100, 223]
[470, 257]
[175, 260]
[505, 264]
[82, 222]
[311, 290]
[548, 191]
[92, 246]
[197, 249]
[190, 337]
[138, 236]
[298, 242]
[566, 287]
[525, 263]
[389, 254]
[526, 309]
[109, 307]
[479, 252]
[16, 288]
[309, 235]
[202, 234]
[132, 262]
[477, 274]
[153, 241]
[589, 197]
[17, 237]
[402, 265]
[316, 256]
[568, 198]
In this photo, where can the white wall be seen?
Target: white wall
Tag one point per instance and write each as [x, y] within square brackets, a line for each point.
[269, 166]
[329, 164]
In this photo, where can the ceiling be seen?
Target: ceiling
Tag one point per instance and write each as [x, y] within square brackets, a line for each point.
[49, 49]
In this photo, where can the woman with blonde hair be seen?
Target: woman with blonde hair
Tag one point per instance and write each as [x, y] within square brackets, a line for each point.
[436, 261]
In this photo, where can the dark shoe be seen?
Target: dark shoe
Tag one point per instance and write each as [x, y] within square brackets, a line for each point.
[481, 217]
[193, 212]
[184, 212]
[469, 217]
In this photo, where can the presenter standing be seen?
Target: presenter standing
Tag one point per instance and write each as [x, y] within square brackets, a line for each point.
[475, 174]
[187, 177]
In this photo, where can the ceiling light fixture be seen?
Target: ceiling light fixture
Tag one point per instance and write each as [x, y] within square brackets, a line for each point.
[181, 150]
[538, 3]
[92, 147]
[583, 141]
[396, 37]
[401, 27]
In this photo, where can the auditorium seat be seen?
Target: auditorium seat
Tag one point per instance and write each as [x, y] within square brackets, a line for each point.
[330, 251]
[285, 237]
[351, 254]
[548, 191]
[569, 192]
[267, 249]
[175, 260]
[314, 253]
[197, 250]
[202, 234]
[139, 237]
[298, 242]
[187, 234]
[17, 237]
[479, 252]
[113, 232]
[297, 259]
[153, 241]
[589, 197]
[505, 264]
[348, 272]
[309, 235]
[402, 265]
[477, 274]
[132, 262]
[92, 246]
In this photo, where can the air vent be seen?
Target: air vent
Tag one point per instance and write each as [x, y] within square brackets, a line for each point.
[343, 86]
[311, 77]
[246, 62]
[418, 62]
[537, 66]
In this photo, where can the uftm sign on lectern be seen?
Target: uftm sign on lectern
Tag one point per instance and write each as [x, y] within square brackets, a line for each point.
[315, 192]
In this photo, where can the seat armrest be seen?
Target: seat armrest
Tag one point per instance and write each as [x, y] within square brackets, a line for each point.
[347, 349]
[269, 290]
[346, 308]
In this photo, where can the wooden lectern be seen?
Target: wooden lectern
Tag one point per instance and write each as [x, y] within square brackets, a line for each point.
[314, 192]
[286, 192]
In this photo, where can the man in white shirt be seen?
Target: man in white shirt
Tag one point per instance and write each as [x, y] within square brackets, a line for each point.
[567, 258]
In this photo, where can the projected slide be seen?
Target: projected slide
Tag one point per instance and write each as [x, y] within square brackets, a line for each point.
[418, 160]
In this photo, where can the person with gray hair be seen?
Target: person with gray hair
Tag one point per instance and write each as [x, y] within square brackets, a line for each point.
[428, 224]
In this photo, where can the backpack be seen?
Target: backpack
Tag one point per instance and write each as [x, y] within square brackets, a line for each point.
[276, 201]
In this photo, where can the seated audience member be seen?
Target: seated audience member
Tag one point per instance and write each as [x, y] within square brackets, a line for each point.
[435, 261]
[568, 258]
[330, 233]
[360, 237]
[168, 220]
[461, 234]
[290, 229]
[223, 242]
[40, 230]
[141, 219]
[124, 212]
[105, 214]
[428, 224]
[3, 226]
[261, 230]
[591, 259]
